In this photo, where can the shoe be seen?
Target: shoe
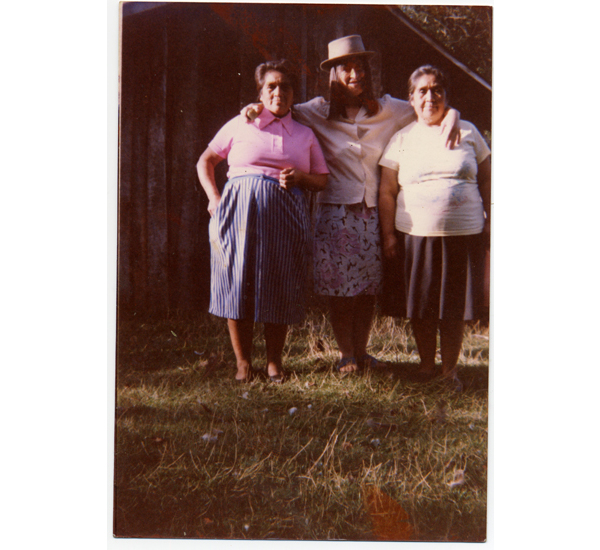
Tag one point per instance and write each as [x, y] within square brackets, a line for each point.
[346, 361]
[369, 362]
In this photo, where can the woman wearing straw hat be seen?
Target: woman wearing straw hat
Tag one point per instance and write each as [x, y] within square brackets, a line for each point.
[353, 128]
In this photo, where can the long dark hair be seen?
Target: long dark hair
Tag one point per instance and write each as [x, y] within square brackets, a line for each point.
[338, 94]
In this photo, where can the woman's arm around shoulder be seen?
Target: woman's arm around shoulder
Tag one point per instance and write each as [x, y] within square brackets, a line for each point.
[206, 174]
[302, 112]
[450, 128]
[311, 113]
[399, 110]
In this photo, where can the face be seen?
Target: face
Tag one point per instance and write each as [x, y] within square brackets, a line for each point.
[429, 100]
[351, 75]
[277, 94]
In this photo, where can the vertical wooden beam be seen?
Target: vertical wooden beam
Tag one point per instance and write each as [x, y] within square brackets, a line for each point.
[157, 227]
[304, 55]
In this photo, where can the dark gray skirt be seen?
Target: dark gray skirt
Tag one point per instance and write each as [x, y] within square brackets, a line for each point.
[436, 278]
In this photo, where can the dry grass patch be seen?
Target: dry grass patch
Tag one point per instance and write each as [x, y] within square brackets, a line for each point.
[321, 457]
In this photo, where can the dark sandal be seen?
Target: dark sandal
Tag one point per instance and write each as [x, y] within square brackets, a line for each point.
[277, 378]
[369, 362]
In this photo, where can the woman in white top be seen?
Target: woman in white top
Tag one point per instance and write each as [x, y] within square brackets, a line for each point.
[353, 129]
[434, 207]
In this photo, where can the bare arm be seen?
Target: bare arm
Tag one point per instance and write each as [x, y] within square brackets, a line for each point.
[388, 193]
[484, 182]
[290, 177]
[451, 128]
[206, 174]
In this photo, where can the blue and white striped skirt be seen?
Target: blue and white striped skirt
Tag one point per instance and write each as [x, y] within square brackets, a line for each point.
[259, 239]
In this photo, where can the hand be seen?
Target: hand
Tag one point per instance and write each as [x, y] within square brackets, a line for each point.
[289, 178]
[212, 206]
[390, 246]
[250, 112]
[487, 233]
[450, 129]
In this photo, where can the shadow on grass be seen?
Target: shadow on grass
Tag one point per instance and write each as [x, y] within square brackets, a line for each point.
[155, 359]
[473, 378]
[270, 474]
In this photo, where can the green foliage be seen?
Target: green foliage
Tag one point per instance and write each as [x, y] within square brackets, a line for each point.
[466, 31]
[199, 456]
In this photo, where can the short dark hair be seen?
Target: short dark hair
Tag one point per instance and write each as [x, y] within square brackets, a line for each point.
[440, 78]
[282, 66]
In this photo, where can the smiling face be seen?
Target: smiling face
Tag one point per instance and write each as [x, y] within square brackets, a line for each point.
[277, 94]
[351, 75]
[429, 100]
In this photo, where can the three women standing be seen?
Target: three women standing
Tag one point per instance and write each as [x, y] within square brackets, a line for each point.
[353, 129]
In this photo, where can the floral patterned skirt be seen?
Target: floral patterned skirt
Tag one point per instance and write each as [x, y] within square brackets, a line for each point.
[347, 250]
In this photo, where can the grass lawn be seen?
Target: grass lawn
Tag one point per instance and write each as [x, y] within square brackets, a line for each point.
[375, 456]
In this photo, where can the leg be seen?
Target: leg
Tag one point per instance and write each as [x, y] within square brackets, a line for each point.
[275, 340]
[362, 319]
[240, 333]
[451, 336]
[425, 332]
[341, 315]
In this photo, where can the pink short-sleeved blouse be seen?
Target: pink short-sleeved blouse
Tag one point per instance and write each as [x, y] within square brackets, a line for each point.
[268, 145]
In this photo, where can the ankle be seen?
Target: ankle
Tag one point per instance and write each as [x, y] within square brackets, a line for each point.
[243, 366]
[427, 366]
[274, 368]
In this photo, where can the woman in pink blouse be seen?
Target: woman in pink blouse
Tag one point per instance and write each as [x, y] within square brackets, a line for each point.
[259, 227]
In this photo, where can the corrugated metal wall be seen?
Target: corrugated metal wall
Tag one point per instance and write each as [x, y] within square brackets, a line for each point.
[188, 68]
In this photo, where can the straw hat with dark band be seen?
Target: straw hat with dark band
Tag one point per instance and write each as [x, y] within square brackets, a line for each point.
[343, 48]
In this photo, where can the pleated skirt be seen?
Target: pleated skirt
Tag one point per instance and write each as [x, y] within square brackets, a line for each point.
[259, 239]
[437, 278]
